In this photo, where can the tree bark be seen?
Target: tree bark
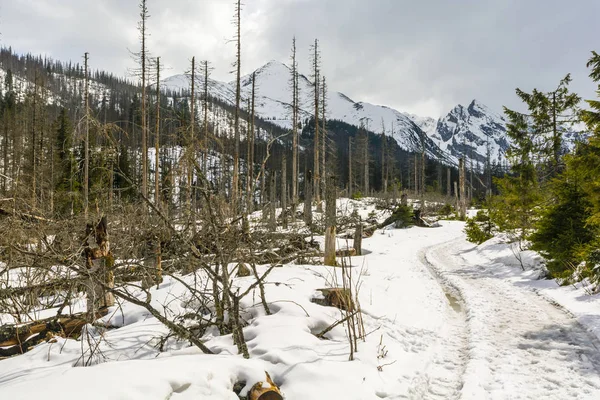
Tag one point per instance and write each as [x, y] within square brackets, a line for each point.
[330, 222]
[308, 184]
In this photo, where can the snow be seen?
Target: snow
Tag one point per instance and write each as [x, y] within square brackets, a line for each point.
[445, 319]
[520, 345]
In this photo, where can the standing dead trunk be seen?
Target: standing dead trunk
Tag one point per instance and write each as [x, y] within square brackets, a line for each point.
[284, 213]
[330, 222]
[86, 157]
[272, 217]
[157, 139]
[457, 204]
[358, 234]
[448, 183]
[349, 167]
[463, 197]
[99, 263]
[308, 198]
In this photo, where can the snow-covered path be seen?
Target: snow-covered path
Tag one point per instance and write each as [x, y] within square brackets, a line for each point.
[520, 346]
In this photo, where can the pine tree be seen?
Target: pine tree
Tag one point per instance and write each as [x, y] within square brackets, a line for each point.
[551, 114]
[519, 193]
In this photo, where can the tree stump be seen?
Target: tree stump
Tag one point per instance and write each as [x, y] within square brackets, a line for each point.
[358, 234]
[267, 390]
[331, 224]
[99, 263]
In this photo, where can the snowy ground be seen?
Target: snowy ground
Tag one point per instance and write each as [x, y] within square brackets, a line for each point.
[520, 345]
[456, 320]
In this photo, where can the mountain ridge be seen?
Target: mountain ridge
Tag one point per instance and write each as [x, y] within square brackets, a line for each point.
[464, 131]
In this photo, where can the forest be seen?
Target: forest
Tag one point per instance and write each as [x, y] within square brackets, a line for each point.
[113, 189]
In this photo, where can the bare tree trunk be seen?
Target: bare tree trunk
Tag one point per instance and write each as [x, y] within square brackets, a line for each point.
[448, 182]
[191, 152]
[423, 164]
[349, 167]
[144, 15]
[463, 199]
[330, 223]
[316, 76]
[284, 211]
[86, 156]
[250, 158]
[272, 203]
[205, 111]
[157, 139]
[99, 263]
[366, 161]
[456, 201]
[308, 185]
[294, 131]
[358, 237]
[416, 175]
[236, 153]
[323, 140]
[383, 159]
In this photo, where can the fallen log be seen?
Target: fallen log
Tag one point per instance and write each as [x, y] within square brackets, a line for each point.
[24, 336]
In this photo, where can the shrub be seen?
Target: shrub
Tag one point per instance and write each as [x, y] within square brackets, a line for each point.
[402, 216]
[478, 232]
[562, 232]
[446, 210]
[357, 196]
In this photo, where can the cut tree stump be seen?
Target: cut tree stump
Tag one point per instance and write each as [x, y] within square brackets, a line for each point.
[267, 390]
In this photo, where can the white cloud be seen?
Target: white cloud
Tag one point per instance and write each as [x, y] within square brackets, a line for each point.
[422, 57]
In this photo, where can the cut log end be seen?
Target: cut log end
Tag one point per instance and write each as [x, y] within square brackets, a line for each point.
[267, 390]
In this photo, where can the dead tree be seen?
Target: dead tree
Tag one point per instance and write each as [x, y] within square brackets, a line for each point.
[330, 223]
[99, 264]
[272, 216]
[358, 234]
[144, 15]
[236, 121]
[86, 157]
[463, 197]
[349, 167]
[157, 138]
[316, 77]
[308, 185]
[284, 213]
[294, 83]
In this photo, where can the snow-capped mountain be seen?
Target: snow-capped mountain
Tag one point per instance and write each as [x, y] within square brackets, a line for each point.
[466, 131]
[471, 132]
[273, 103]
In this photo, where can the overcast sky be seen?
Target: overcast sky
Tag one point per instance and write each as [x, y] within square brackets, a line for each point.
[419, 56]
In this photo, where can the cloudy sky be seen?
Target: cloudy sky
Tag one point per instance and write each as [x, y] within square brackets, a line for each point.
[421, 56]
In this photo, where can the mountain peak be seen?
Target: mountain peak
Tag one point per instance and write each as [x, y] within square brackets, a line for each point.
[273, 66]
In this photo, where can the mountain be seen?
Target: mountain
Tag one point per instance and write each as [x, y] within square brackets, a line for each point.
[464, 131]
[273, 103]
[472, 131]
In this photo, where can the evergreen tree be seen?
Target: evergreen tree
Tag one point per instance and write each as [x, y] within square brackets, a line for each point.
[561, 230]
